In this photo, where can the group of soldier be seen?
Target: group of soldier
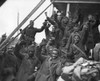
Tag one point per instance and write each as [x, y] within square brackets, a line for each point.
[70, 39]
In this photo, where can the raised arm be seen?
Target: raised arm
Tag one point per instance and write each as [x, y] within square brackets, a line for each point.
[50, 20]
[47, 31]
[17, 52]
[38, 54]
[84, 33]
[69, 42]
[42, 28]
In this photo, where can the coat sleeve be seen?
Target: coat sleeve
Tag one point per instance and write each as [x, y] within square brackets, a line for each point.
[84, 35]
[38, 54]
[51, 21]
[59, 69]
[69, 42]
[47, 32]
[70, 52]
[41, 29]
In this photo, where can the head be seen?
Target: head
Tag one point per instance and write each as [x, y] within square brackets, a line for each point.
[54, 53]
[34, 43]
[91, 20]
[31, 22]
[51, 41]
[4, 36]
[43, 50]
[76, 39]
[90, 17]
[76, 28]
[31, 50]
[59, 16]
[10, 50]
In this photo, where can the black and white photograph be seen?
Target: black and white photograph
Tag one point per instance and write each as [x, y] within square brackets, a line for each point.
[49, 40]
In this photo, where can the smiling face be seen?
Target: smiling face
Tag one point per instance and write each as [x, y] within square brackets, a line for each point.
[54, 54]
[59, 16]
[76, 39]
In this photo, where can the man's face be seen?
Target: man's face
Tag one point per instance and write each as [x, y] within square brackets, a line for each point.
[90, 17]
[43, 50]
[76, 39]
[54, 54]
[31, 22]
[59, 16]
[30, 53]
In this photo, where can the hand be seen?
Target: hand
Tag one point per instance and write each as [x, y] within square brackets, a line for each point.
[21, 31]
[49, 25]
[45, 23]
[46, 14]
[85, 26]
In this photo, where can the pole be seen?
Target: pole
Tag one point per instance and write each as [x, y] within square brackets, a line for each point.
[43, 11]
[27, 25]
[20, 25]
[17, 18]
[67, 9]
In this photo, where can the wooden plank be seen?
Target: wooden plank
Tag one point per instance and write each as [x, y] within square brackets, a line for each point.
[77, 1]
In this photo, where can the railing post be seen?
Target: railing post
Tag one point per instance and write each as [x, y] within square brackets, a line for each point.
[67, 9]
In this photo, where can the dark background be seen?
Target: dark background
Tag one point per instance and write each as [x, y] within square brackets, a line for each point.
[86, 8]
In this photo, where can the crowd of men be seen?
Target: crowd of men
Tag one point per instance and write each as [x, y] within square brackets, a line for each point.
[70, 39]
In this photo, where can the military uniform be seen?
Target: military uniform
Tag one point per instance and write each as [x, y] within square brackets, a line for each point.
[75, 53]
[49, 70]
[79, 48]
[27, 68]
[29, 33]
[83, 34]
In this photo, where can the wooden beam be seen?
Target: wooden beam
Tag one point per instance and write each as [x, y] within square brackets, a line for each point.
[65, 1]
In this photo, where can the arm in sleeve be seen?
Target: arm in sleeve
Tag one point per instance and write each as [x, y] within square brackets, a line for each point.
[51, 21]
[38, 54]
[17, 52]
[41, 29]
[84, 35]
[59, 69]
[69, 42]
[47, 31]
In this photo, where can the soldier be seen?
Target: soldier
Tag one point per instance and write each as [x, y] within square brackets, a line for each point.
[9, 65]
[27, 67]
[51, 66]
[96, 34]
[58, 30]
[96, 52]
[3, 38]
[28, 34]
[77, 47]
[3, 51]
[75, 51]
